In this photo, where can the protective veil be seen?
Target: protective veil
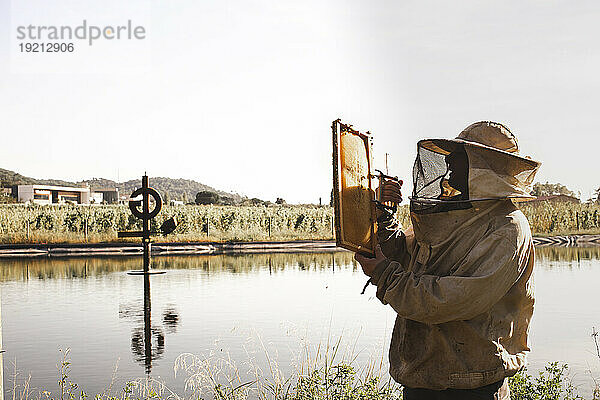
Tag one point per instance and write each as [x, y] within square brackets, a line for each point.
[461, 278]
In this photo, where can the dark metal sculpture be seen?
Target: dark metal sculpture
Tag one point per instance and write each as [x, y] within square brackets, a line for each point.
[146, 215]
[146, 351]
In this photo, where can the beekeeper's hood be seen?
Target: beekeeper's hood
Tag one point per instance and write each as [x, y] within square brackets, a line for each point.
[482, 163]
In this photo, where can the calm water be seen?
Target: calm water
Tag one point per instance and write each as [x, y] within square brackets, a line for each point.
[256, 310]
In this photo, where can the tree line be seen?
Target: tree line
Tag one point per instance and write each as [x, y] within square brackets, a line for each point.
[557, 189]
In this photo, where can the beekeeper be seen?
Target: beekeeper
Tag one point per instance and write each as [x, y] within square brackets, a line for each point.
[460, 278]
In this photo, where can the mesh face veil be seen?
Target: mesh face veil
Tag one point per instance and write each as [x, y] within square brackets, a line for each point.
[440, 178]
[483, 163]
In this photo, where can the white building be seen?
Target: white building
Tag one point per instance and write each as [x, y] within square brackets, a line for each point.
[96, 198]
[45, 194]
[109, 196]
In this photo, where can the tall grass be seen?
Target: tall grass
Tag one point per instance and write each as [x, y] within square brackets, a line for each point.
[71, 223]
[325, 371]
[324, 377]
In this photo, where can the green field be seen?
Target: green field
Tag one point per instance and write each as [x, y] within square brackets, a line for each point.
[71, 223]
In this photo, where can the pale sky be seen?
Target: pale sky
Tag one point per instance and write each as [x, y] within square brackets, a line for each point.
[240, 95]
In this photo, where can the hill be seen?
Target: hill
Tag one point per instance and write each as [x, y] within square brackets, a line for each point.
[10, 178]
[169, 188]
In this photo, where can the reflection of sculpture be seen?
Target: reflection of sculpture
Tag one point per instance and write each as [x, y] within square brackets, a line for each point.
[144, 350]
[170, 319]
[148, 353]
[148, 341]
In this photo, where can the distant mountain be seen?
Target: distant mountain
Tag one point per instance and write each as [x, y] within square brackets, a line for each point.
[169, 188]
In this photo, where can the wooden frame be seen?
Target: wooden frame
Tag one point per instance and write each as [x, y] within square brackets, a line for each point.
[353, 195]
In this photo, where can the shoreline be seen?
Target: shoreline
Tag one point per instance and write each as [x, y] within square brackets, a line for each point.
[164, 248]
[125, 249]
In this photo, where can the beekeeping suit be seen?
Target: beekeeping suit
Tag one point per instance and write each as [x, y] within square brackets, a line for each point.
[461, 278]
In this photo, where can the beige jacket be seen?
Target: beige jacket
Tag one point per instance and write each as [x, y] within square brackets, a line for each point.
[463, 290]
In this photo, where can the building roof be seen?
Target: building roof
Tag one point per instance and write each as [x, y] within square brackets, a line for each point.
[106, 190]
[61, 188]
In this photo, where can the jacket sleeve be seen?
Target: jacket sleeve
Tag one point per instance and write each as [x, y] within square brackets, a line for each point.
[390, 238]
[496, 263]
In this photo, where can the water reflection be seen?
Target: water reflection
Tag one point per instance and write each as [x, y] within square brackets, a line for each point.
[171, 319]
[80, 268]
[147, 339]
[555, 253]
[216, 303]
[76, 268]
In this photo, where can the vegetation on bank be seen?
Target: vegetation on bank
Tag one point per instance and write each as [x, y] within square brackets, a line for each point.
[72, 223]
[219, 378]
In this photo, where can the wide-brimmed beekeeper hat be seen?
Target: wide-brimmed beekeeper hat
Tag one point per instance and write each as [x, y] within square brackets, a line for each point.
[496, 169]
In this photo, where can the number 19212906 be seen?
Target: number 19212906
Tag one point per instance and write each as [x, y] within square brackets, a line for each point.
[46, 47]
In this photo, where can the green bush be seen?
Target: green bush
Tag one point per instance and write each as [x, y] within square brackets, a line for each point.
[340, 382]
[551, 384]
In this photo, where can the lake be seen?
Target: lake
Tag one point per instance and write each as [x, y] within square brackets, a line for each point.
[244, 313]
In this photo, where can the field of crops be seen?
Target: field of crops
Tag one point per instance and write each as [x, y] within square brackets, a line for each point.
[69, 223]
[562, 218]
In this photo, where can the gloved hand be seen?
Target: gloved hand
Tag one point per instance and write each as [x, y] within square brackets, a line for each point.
[388, 195]
[389, 191]
[368, 264]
